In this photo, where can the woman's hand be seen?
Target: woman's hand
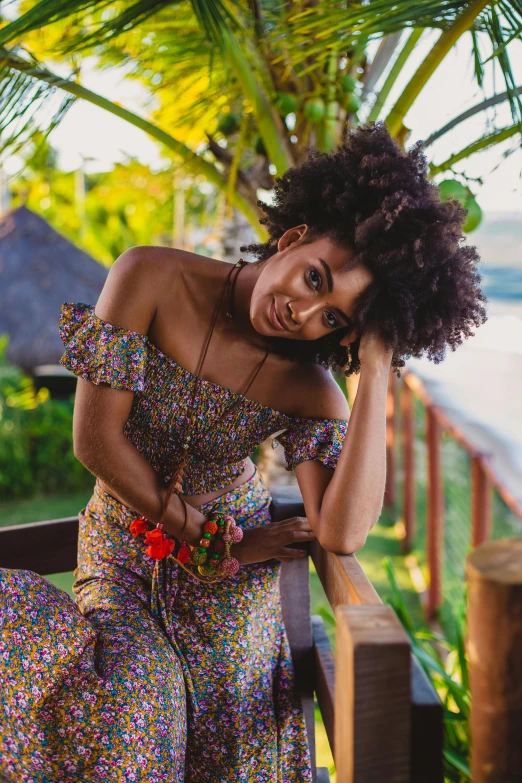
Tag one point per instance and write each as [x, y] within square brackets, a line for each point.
[372, 351]
[271, 541]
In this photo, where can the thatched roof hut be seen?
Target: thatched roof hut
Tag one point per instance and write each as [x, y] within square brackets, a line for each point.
[40, 269]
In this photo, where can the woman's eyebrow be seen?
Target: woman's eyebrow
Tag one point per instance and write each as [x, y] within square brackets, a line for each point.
[329, 280]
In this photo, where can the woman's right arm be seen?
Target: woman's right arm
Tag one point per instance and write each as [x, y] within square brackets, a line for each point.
[128, 300]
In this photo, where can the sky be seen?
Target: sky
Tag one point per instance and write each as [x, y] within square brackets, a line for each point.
[93, 133]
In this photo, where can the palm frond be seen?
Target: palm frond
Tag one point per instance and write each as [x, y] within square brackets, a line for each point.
[489, 140]
[482, 106]
[213, 16]
[27, 106]
[195, 163]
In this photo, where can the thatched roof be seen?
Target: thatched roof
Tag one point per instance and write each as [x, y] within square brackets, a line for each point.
[40, 269]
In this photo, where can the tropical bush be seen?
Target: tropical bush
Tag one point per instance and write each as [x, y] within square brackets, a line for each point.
[36, 451]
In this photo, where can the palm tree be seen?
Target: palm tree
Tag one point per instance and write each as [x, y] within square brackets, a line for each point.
[244, 86]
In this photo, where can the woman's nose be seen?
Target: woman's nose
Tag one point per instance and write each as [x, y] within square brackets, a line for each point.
[301, 311]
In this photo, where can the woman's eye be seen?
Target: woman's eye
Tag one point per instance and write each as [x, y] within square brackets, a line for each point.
[314, 278]
[334, 321]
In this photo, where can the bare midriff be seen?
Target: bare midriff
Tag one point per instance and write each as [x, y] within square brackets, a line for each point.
[199, 500]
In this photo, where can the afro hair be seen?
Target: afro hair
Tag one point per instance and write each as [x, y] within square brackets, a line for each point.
[375, 198]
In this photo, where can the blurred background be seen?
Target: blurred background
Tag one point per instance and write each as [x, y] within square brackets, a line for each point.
[163, 123]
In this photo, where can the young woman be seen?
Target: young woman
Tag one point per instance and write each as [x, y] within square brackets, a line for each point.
[156, 674]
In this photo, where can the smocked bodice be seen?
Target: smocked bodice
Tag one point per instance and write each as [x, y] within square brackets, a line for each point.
[101, 352]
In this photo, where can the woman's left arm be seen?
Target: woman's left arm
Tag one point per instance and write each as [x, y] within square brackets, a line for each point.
[344, 504]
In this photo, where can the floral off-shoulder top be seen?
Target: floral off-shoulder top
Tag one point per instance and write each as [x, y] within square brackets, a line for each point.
[101, 352]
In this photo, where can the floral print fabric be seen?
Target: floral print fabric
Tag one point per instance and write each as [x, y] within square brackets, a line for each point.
[104, 353]
[312, 439]
[151, 676]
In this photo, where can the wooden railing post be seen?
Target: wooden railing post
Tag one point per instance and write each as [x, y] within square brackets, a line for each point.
[408, 461]
[494, 574]
[389, 491]
[481, 497]
[372, 696]
[435, 512]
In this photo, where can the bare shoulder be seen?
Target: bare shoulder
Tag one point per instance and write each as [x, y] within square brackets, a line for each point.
[136, 285]
[320, 394]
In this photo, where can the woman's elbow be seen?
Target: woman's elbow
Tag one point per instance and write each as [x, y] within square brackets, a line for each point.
[348, 546]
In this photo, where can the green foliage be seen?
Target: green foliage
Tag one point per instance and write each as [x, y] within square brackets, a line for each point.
[446, 665]
[117, 208]
[36, 452]
[207, 63]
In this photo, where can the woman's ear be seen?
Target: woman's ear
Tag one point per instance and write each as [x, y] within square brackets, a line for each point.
[291, 236]
[349, 338]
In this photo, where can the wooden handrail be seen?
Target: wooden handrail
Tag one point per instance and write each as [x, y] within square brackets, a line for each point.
[342, 577]
[346, 585]
[372, 696]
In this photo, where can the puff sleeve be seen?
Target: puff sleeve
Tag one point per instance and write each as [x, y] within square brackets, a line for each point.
[99, 351]
[319, 439]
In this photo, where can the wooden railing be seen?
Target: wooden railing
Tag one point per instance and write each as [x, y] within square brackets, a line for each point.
[401, 435]
[382, 717]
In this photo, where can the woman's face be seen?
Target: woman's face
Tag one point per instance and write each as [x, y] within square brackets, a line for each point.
[301, 294]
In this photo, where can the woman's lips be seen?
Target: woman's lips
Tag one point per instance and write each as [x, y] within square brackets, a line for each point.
[274, 319]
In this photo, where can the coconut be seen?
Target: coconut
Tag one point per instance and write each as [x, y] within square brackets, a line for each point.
[228, 124]
[315, 110]
[351, 103]
[286, 104]
[474, 216]
[348, 83]
[259, 146]
[452, 188]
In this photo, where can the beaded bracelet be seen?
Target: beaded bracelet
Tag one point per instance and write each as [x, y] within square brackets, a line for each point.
[219, 532]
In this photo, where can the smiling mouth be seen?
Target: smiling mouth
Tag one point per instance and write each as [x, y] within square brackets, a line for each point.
[274, 320]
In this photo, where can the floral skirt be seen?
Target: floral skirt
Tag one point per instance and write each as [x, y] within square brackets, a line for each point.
[150, 675]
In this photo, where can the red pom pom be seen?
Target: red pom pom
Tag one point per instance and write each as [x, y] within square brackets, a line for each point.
[139, 526]
[184, 554]
[160, 545]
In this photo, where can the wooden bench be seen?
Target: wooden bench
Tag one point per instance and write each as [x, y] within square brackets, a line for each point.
[382, 717]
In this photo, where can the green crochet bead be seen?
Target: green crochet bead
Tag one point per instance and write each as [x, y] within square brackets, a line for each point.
[206, 570]
[197, 557]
